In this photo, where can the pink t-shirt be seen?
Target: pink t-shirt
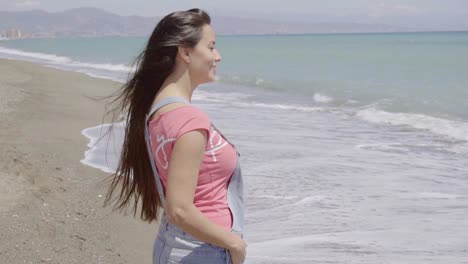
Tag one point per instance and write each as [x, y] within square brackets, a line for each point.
[218, 164]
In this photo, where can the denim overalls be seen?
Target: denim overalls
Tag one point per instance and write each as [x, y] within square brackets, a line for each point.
[172, 244]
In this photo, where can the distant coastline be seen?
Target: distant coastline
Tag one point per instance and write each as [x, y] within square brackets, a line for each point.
[256, 35]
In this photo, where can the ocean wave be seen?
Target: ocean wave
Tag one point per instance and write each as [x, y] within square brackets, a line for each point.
[104, 146]
[387, 147]
[401, 148]
[320, 98]
[309, 199]
[103, 66]
[432, 196]
[62, 60]
[94, 75]
[438, 195]
[241, 100]
[451, 128]
[251, 81]
[275, 197]
[35, 55]
[283, 107]
[220, 97]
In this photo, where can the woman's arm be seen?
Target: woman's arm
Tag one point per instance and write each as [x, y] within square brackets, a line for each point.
[184, 167]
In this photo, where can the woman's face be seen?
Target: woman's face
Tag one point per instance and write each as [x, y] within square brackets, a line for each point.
[204, 57]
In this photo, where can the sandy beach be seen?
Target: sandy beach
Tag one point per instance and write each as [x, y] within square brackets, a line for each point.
[51, 205]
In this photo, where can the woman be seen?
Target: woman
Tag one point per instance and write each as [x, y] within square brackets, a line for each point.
[172, 156]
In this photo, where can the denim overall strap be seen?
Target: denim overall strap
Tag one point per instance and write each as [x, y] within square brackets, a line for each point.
[235, 199]
[163, 102]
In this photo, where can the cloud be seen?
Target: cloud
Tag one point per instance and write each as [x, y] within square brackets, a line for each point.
[407, 9]
[383, 9]
[26, 3]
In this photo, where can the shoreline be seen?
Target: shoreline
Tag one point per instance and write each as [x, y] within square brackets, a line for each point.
[51, 206]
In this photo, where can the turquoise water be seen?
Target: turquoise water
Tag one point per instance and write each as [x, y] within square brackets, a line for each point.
[354, 147]
[423, 73]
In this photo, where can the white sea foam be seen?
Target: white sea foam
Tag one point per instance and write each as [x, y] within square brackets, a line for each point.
[103, 148]
[432, 196]
[62, 60]
[437, 195]
[35, 55]
[276, 197]
[226, 97]
[102, 66]
[388, 147]
[376, 145]
[115, 79]
[283, 107]
[320, 98]
[450, 128]
[309, 199]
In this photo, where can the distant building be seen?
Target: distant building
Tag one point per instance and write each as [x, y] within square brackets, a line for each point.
[13, 33]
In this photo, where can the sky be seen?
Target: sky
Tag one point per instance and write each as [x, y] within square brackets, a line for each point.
[437, 14]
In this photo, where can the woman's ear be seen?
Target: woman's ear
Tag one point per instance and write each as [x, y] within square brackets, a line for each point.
[184, 53]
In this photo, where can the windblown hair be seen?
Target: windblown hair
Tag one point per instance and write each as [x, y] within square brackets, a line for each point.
[133, 101]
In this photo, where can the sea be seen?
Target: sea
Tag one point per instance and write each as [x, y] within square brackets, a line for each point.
[354, 147]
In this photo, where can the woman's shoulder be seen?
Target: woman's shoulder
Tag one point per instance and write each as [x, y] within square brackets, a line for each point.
[190, 111]
[184, 119]
[183, 111]
[182, 115]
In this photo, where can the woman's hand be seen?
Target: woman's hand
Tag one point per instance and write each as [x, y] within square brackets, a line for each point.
[237, 250]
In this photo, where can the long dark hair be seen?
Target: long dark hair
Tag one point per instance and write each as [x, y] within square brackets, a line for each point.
[133, 102]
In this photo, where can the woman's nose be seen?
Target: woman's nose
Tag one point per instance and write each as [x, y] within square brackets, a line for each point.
[218, 56]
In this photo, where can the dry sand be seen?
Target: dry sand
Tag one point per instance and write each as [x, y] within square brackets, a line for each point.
[51, 205]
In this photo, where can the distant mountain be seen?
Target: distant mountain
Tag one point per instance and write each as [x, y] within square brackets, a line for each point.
[76, 22]
[233, 25]
[89, 21]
